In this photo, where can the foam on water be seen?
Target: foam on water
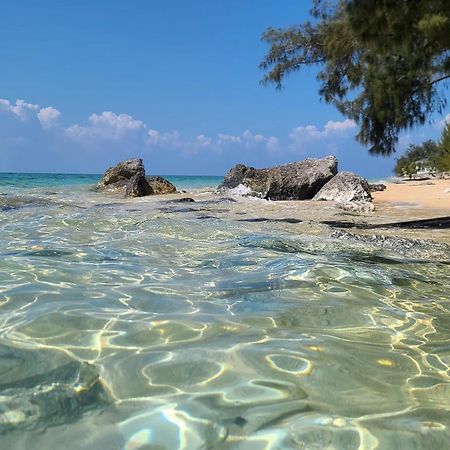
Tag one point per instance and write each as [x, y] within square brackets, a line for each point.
[203, 331]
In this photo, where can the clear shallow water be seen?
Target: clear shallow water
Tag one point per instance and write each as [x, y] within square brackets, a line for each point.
[145, 324]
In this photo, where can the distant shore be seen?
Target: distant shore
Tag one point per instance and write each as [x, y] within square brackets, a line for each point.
[422, 194]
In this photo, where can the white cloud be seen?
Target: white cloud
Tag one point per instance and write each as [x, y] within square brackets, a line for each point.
[129, 132]
[332, 127]
[304, 135]
[203, 141]
[110, 120]
[21, 109]
[248, 139]
[109, 126]
[106, 126]
[273, 144]
[307, 132]
[251, 139]
[48, 116]
[226, 139]
[157, 139]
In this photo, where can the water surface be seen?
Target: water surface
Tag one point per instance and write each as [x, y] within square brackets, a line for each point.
[146, 324]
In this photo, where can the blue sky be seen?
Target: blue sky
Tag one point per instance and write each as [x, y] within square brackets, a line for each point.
[87, 83]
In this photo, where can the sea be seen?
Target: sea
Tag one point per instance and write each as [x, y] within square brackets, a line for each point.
[154, 323]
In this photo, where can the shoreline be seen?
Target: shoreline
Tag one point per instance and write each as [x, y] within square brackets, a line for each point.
[427, 194]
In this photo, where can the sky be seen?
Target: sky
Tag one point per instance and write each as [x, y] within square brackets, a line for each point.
[87, 83]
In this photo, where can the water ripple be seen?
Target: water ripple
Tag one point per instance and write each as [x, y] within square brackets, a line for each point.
[213, 334]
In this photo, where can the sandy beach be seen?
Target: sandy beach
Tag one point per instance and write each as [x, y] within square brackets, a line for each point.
[416, 194]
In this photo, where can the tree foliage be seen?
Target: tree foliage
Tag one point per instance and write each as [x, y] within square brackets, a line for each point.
[443, 159]
[382, 63]
[431, 155]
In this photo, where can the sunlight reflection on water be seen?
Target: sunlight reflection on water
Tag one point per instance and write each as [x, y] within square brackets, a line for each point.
[213, 334]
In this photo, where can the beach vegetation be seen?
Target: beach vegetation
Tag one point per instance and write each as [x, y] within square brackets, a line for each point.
[384, 64]
[428, 157]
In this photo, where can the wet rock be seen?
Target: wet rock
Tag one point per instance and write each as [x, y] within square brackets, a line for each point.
[375, 187]
[345, 187]
[127, 178]
[432, 224]
[413, 248]
[218, 201]
[137, 187]
[357, 207]
[264, 219]
[240, 421]
[51, 398]
[295, 181]
[8, 203]
[182, 200]
[160, 185]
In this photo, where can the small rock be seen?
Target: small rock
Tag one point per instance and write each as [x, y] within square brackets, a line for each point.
[183, 200]
[160, 185]
[359, 207]
[127, 177]
[377, 187]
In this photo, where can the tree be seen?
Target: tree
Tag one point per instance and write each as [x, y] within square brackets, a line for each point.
[431, 155]
[417, 157]
[382, 63]
[443, 159]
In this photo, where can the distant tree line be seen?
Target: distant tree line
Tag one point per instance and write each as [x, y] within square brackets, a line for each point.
[431, 156]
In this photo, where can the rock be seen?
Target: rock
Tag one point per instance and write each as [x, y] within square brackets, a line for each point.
[160, 185]
[358, 207]
[377, 187]
[55, 397]
[137, 187]
[12, 202]
[345, 187]
[412, 248]
[434, 223]
[182, 200]
[128, 178]
[295, 181]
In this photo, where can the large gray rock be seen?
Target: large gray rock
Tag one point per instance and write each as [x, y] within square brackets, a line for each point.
[160, 185]
[295, 181]
[127, 178]
[345, 187]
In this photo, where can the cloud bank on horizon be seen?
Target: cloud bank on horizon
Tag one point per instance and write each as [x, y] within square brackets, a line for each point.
[36, 134]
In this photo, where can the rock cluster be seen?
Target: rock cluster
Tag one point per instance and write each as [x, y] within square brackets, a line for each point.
[311, 179]
[128, 178]
[295, 181]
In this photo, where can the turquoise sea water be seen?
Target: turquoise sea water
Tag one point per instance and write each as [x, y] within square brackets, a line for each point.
[148, 324]
[48, 180]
